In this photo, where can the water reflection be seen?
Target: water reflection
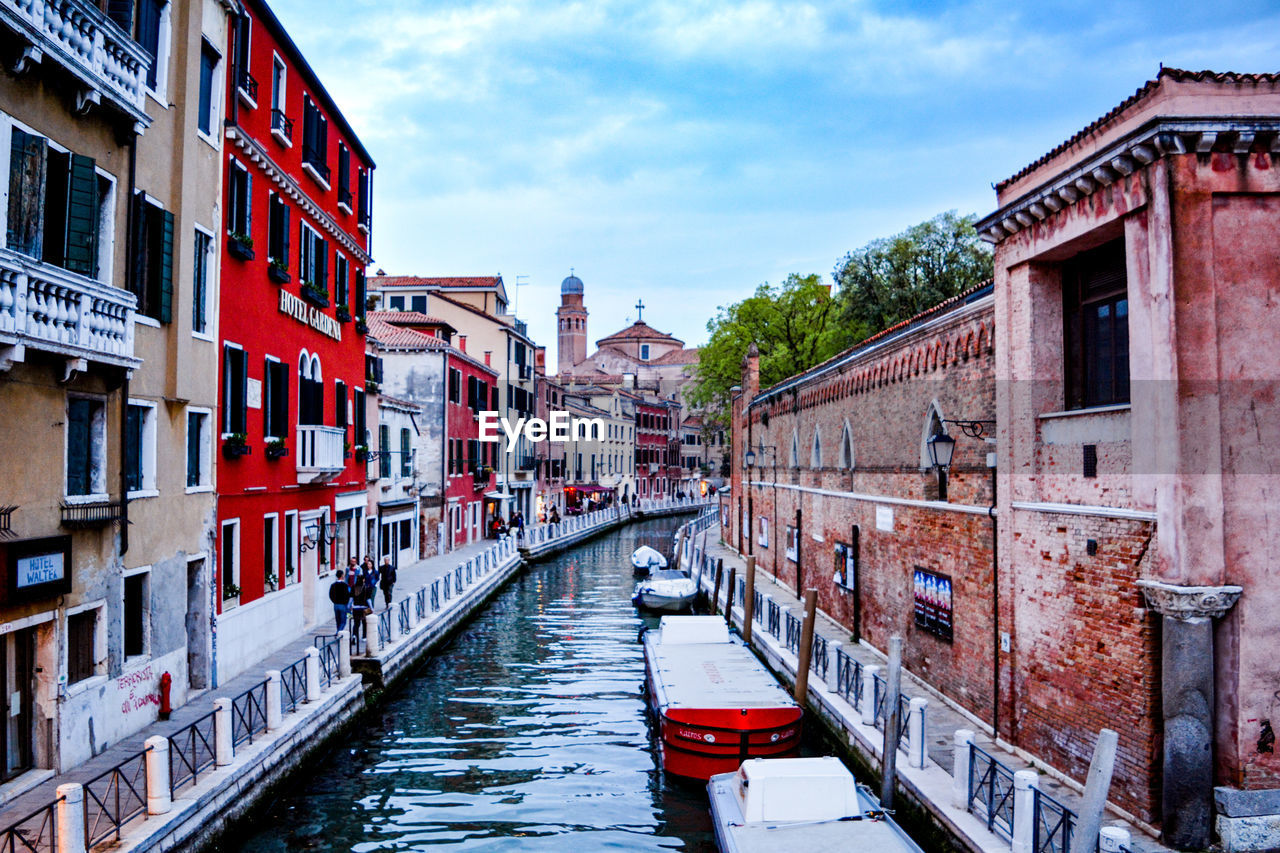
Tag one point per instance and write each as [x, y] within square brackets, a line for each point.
[528, 732]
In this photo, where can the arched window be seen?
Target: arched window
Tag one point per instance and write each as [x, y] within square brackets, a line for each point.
[795, 449]
[310, 389]
[932, 426]
[815, 452]
[846, 446]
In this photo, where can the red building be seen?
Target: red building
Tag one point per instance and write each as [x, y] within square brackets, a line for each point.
[470, 479]
[296, 236]
[653, 428]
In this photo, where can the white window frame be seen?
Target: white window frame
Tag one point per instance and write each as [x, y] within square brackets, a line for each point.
[280, 96]
[266, 401]
[291, 522]
[210, 284]
[214, 136]
[763, 541]
[222, 388]
[150, 487]
[233, 601]
[135, 660]
[164, 48]
[98, 431]
[274, 567]
[206, 450]
[245, 97]
[644, 352]
[99, 676]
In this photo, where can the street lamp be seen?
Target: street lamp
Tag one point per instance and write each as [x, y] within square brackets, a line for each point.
[941, 449]
[318, 534]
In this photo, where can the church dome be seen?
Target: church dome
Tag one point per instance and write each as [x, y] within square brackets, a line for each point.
[572, 284]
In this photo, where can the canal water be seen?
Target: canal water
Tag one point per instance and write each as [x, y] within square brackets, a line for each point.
[528, 732]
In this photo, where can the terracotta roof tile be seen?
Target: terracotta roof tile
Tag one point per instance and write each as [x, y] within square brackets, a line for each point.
[399, 337]
[448, 281]
[639, 329]
[409, 318]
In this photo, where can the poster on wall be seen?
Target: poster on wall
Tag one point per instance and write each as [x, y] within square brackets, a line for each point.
[846, 566]
[793, 543]
[933, 602]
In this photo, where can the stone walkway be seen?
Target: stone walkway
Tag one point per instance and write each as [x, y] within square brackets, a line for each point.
[941, 718]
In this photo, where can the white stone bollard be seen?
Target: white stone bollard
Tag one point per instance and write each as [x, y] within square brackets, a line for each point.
[1024, 807]
[223, 752]
[275, 703]
[372, 643]
[313, 674]
[960, 769]
[159, 797]
[869, 694]
[1113, 839]
[344, 654]
[916, 751]
[69, 815]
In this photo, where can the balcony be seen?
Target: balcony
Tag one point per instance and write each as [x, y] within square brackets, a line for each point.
[84, 516]
[47, 308]
[320, 455]
[282, 127]
[108, 65]
[526, 462]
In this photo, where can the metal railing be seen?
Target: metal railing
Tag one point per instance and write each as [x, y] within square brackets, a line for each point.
[402, 616]
[114, 798]
[327, 645]
[991, 792]
[1052, 826]
[849, 679]
[435, 595]
[818, 659]
[249, 714]
[384, 628]
[293, 685]
[191, 751]
[793, 633]
[773, 623]
[420, 603]
[282, 124]
[759, 606]
[36, 833]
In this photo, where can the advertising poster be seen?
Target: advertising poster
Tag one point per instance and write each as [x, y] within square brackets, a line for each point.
[933, 603]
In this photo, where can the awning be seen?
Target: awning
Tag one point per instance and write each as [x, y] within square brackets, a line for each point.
[499, 496]
[590, 489]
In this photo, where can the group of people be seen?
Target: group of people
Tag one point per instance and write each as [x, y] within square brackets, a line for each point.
[498, 527]
[354, 590]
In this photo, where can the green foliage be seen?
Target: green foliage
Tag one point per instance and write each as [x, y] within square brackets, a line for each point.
[791, 326]
[893, 279]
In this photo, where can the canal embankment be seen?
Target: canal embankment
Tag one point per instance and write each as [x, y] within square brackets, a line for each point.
[179, 783]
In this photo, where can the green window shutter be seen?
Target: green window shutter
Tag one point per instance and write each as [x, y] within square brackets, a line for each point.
[82, 217]
[284, 233]
[193, 448]
[121, 11]
[138, 275]
[281, 415]
[79, 413]
[133, 447]
[165, 271]
[242, 415]
[248, 204]
[25, 231]
[269, 392]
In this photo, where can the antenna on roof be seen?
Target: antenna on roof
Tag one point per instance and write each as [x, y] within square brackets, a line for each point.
[521, 281]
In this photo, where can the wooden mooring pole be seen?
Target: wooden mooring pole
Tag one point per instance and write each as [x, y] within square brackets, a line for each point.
[806, 647]
[715, 594]
[749, 605]
[893, 688]
[728, 598]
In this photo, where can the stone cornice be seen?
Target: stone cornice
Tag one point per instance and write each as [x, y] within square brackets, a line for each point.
[289, 187]
[1130, 153]
[1189, 602]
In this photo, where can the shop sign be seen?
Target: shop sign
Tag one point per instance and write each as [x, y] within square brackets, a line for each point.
[37, 568]
[309, 314]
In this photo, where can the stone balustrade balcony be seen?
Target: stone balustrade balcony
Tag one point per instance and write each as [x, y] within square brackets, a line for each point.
[110, 66]
[44, 307]
[320, 453]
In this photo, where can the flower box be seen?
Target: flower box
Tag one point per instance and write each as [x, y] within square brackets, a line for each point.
[315, 295]
[240, 246]
[343, 313]
[278, 274]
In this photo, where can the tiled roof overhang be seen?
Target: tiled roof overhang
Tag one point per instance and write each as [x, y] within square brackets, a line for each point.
[1128, 154]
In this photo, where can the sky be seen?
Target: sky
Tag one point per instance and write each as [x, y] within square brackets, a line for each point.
[685, 152]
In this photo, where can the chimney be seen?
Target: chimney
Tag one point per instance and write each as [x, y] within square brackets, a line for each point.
[751, 374]
[488, 358]
[628, 380]
[462, 343]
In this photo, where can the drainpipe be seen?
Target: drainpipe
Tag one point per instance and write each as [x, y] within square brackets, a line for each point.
[130, 260]
[995, 610]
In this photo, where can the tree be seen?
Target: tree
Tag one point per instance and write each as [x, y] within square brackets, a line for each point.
[893, 279]
[792, 325]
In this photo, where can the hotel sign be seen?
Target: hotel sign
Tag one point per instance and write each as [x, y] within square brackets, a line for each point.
[310, 315]
[36, 569]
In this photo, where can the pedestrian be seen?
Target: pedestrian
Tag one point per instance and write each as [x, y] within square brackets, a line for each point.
[361, 606]
[340, 595]
[555, 515]
[387, 579]
[517, 521]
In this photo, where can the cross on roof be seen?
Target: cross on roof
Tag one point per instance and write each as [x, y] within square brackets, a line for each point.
[639, 310]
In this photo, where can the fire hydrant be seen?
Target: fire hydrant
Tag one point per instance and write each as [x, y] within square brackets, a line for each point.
[166, 681]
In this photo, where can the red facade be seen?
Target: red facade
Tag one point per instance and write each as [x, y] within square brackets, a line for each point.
[653, 426]
[295, 239]
[470, 463]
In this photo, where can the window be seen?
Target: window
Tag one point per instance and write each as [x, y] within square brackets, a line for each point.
[152, 279]
[1095, 315]
[56, 205]
[644, 352]
[290, 548]
[140, 447]
[815, 452]
[151, 32]
[239, 202]
[406, 455]
[362, 298]
[86, 446]
[846, 447]
[764, 532]
[397, 304]
[278, 233]
[313, 265]
[81, 637]
[310, 390]
[206, 117]
[344, 176]
[384, 450]
[229, 554]
[340, 404]
[246, 85]
[361, 434]
[340, 294]
[281, 125]
[136, 609]
[315, 140]
[793, 543]
[455, 385]
[363, 212]
[235, 385]
[418, 303]
[275, 399]
[270, 575]
[198, 444]
[200, 282]
[794, 459]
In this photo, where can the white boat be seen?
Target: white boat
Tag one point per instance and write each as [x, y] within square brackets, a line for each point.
[646, 559]
[666, 590]
[810, 804]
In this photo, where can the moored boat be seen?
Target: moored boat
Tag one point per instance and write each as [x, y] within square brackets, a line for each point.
[667, 591]
[645, 559]
[716, 705]
[810, 804]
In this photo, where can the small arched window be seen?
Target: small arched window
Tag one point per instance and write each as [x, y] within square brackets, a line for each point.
[933, 425]
[794, 460]
[846, 446]
[815, 452]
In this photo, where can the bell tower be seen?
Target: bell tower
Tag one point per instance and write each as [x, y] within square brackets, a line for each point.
[571, 322]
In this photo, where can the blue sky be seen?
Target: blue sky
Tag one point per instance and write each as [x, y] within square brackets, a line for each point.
[684, 152]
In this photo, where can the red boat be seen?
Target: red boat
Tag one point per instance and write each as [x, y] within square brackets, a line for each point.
[715, 703]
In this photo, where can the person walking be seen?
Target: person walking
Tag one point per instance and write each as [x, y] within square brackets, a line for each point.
[340, 595]
[517, 522]
[361, 606]
[387, 579]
